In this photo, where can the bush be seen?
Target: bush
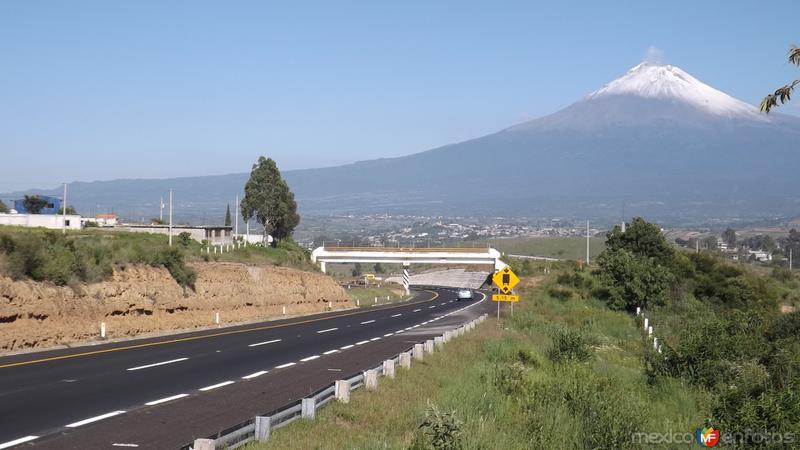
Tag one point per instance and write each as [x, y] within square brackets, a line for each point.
[439, 431]
[569, 345]
[560, 293]
[185, 239]
[172, 259]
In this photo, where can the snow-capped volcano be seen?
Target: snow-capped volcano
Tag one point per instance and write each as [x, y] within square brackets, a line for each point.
[666, 82]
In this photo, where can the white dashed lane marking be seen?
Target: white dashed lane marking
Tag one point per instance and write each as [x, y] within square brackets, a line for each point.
[215, 386]
[366, 322]
[157, 364]
[21, 440]
[253, 375]
[264, 343]
[166, 399]
[94, 419]
[397, 315]
[325, 331]
[310, 358]
[283, 366]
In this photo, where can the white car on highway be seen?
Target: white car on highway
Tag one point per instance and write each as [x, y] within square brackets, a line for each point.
[464, 294]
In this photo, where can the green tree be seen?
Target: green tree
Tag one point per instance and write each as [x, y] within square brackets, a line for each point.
[228, 215]
[3, 208]
[784, 93]
[630, 280]
[357, 270]
[267, 198]
[33, 204]
[641, 238]
[379, 268]
[729, 236]
[185, 239]
[70, 211]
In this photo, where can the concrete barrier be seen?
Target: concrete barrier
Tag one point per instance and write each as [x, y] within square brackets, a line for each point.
[438, 342]
[205, 444]
[428, 346]
[309, 408]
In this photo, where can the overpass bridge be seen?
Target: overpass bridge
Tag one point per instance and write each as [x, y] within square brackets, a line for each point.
[407, 255]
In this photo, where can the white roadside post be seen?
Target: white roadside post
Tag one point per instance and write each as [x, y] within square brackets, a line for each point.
[342, 391]
[371, 380]
[263, 428]
[103, 330]
[204, 444]
[419, 352]
[405, 360]
[388, 368]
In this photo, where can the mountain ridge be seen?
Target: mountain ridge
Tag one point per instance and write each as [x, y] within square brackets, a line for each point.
[655, 136]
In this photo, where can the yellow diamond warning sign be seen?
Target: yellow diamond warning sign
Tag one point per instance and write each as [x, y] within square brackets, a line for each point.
[505, 280]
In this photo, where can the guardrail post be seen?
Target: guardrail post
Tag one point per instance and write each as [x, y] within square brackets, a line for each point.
[438, 341]
[461, 331]
[308, 408]
[405, 360]
[204, 444]
[342, 391]
[284, 310]
[428, 346]
[102, 330]
[263, 428]
[388, 368]
[418, 352]
[447, 336]
[371, 379]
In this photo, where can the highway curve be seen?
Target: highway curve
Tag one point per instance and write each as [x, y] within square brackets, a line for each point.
[164, 392]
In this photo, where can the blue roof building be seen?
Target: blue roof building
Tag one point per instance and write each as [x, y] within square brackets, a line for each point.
[53, 205]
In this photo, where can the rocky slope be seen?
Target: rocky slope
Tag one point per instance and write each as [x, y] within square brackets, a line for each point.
[142, 299]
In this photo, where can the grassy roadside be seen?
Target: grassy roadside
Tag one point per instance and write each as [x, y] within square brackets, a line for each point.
[366, 295]
[559, 374]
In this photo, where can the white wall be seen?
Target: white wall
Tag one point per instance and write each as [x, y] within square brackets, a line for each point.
[41, 220]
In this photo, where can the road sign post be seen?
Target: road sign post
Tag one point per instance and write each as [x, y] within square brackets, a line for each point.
[505, 280]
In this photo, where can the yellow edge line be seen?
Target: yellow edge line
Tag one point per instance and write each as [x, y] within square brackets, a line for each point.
[205, 336]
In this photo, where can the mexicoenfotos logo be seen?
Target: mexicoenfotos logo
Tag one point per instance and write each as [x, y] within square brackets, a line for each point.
[707, 437]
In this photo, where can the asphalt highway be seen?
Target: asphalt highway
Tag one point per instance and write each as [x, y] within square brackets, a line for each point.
[164, 392]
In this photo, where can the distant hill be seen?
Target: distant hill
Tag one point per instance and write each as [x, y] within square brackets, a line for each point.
[656, 140]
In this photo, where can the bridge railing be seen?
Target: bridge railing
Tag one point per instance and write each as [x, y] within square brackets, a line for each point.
[334, 248]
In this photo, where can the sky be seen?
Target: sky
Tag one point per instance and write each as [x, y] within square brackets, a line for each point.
[98, 90]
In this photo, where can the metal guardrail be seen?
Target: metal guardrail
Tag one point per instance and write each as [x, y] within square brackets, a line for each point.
[245, 432]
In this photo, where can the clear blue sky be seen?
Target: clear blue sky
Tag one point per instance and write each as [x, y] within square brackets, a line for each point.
[107, 89]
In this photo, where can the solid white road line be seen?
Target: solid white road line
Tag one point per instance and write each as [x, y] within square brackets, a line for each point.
[330, 352]
[283, 366]
[17, 441]
[361, 342]
[310, 358]
[368, 321]
[264, 343]
[346, 347]
[158, 364]
[95, 419]
[325, 331]
[214, 386]
[397, 315]
[253, 375]
[166, 399]
[416, 310]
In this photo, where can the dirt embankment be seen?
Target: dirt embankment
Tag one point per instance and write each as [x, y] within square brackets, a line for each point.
[143, 299]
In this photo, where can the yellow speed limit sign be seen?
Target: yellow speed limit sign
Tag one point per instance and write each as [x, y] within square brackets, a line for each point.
[505, 280]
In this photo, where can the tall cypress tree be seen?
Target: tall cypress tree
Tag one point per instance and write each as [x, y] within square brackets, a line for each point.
[228, 215]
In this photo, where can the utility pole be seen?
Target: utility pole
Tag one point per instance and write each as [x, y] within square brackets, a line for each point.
[161, 209]
[236, 229]
[790, 259]
[64, 211]
[170, 217]
[587, 243]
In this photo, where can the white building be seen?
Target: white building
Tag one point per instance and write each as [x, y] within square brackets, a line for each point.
[52, 221]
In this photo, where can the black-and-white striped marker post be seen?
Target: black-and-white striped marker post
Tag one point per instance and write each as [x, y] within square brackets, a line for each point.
[406, 280]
